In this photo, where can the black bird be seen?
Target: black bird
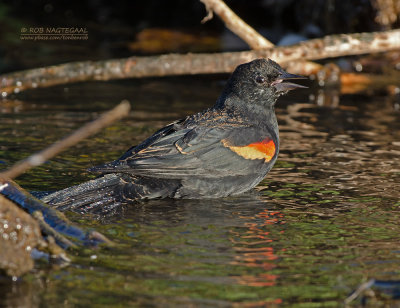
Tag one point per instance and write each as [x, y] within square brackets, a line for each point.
[224, 150]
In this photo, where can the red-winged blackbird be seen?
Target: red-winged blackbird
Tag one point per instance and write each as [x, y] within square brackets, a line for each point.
[225, 150]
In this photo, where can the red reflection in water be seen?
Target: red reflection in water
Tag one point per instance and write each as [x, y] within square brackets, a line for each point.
[255, 249]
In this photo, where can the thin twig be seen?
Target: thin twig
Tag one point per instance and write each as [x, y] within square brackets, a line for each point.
[365, 286]
[174, 64]
[235, 24]
[89, 129]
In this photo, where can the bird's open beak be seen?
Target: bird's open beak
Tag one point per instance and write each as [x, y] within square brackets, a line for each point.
[282, 85]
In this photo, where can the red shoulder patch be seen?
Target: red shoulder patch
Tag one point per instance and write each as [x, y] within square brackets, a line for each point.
[267, 146]
[258, 150]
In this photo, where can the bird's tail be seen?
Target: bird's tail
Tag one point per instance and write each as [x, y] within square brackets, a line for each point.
[95, 196]
[108, 193]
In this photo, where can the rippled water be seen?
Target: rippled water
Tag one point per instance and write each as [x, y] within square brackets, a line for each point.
[325, 220]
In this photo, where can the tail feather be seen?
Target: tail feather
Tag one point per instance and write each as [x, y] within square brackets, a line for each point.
[107, 193]
[91, 196]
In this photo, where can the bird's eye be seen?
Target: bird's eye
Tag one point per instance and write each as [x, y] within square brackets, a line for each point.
[261, 79]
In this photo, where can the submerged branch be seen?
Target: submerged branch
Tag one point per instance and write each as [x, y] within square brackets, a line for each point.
[175, 64]
[89, 129]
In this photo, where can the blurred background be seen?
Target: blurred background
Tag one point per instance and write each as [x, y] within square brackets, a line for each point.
[125, 28]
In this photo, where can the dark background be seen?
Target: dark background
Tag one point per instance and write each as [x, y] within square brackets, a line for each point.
[125, 28]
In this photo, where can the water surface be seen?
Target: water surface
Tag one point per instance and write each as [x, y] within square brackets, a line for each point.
[324, 220]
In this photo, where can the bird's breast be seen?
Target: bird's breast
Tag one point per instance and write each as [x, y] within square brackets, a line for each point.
[264, 149]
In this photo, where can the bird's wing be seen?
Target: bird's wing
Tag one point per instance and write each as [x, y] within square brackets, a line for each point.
[209, 151]
[172, 130]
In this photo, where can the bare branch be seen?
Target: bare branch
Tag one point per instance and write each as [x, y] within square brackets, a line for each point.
[175, 64]
[89, 129]
[251, 36]
[236, 24]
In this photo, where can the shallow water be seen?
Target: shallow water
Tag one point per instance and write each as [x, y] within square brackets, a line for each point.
[325, 219]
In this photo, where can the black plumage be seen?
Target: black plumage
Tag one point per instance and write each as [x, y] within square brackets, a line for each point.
[225, 150]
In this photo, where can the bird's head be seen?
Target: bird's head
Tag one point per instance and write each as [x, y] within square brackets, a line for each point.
[259, 82]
